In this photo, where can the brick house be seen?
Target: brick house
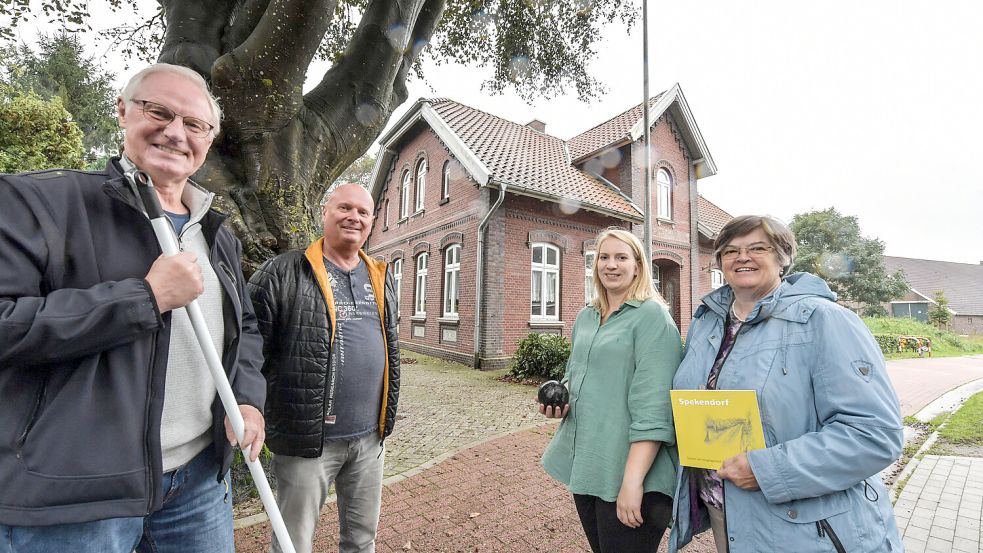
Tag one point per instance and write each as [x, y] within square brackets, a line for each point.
[960, 282]
[485, 219]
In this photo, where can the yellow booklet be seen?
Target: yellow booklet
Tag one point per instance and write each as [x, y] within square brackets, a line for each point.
[713, 425]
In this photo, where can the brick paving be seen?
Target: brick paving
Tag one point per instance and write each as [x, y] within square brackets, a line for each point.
[941, 506]
[920, 381]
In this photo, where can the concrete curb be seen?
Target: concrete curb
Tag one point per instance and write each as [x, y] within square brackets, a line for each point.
[261, 517]
[950, 402]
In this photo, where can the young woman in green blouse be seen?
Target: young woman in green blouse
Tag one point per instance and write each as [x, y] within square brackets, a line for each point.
[614, 449]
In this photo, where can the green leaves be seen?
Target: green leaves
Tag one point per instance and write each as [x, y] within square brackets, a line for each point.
[541, 356]
[939, 313]
[61, 69]
[36, 134]
[830, 246]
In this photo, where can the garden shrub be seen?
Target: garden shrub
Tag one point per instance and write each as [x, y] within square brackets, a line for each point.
[541, 356]
[888, 342]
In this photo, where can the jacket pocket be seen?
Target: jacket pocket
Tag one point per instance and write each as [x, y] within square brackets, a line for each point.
[826, 531]
[803, 525]
[32, 416]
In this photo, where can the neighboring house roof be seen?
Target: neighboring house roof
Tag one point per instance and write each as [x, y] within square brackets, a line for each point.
[502, 153]
[960, 282]
[712, 218]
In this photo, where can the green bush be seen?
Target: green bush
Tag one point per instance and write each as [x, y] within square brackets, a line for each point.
[541, 356]
[36, 134]
[888, 342]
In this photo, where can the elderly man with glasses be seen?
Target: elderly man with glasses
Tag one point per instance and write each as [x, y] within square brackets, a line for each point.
[112, 438]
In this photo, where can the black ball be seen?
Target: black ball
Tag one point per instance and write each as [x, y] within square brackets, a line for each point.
[554, 394]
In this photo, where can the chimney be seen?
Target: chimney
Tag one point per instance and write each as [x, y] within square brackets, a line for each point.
[538, 125]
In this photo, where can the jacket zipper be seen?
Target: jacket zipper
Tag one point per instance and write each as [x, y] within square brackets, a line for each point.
[35, 411]
[146, 417]
[826, 531]
[723, 505]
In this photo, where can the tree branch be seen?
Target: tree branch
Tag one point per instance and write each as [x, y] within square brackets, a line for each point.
[193, 36]
[369, 78]
[245, 17]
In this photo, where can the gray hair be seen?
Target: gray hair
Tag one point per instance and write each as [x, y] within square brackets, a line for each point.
[778, 233]
[131, 87]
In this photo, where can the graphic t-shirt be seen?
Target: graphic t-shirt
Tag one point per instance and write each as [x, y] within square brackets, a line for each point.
[358, 356]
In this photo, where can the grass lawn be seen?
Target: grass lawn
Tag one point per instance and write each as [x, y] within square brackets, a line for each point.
[963, 431]
[944, 344]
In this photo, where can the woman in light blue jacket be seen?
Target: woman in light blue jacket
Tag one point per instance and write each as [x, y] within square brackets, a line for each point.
[830, 415]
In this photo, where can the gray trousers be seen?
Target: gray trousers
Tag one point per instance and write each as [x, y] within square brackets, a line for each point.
[355, 468]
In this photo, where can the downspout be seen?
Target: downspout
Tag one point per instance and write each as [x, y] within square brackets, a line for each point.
[480, 273]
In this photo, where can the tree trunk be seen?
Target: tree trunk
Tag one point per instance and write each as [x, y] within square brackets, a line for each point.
[279, 149]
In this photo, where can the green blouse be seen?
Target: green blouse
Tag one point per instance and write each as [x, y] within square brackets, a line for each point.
[619, 376]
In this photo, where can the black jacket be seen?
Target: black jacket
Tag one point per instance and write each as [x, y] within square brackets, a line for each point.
[295, 310]
[83, 348]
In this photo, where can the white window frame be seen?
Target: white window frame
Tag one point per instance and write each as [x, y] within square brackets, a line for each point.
[404, 199]
[398, 280]
[421, 183]
[590, 258]
[420, 293]
[445, 187]
[385, 220]
[663, 181]
[716, 278]
[656, 277]
[452, 281]
[545, 271]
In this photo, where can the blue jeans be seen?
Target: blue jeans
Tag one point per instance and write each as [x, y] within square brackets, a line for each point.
[196, 518]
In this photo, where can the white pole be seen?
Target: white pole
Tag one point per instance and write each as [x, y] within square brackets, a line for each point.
[169, 246]
[647, 157]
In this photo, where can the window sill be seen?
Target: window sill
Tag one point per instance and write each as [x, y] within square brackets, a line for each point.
[449, 320]
[539, 323]
[663, 221]
[443, 201]
[419, 318]
[402, 220]
[418, 213]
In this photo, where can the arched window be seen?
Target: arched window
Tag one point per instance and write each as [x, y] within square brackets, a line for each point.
[397, 268]
[452, 274]
[445, 188]
[421, 183]
[716, 278]
[545, 296]
[404, 198]
[663, 182]
[420, 303]
[385, 220]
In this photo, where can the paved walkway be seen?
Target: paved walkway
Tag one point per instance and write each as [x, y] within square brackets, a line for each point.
[941, 506]
[919, 381]
[494, 497]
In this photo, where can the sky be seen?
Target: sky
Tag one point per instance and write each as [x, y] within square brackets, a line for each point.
[873, 108]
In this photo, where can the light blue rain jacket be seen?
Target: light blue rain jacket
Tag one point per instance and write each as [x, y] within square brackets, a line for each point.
[831, 422]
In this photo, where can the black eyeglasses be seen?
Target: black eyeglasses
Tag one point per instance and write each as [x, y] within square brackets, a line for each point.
[162, 114]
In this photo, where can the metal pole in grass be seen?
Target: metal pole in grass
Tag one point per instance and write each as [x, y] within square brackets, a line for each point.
[169, 246]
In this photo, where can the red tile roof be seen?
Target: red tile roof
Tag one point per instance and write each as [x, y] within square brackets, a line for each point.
[527, 159]
[609, 132]
[711, 216]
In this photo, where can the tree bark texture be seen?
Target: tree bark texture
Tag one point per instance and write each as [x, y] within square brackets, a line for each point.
[279, 148]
